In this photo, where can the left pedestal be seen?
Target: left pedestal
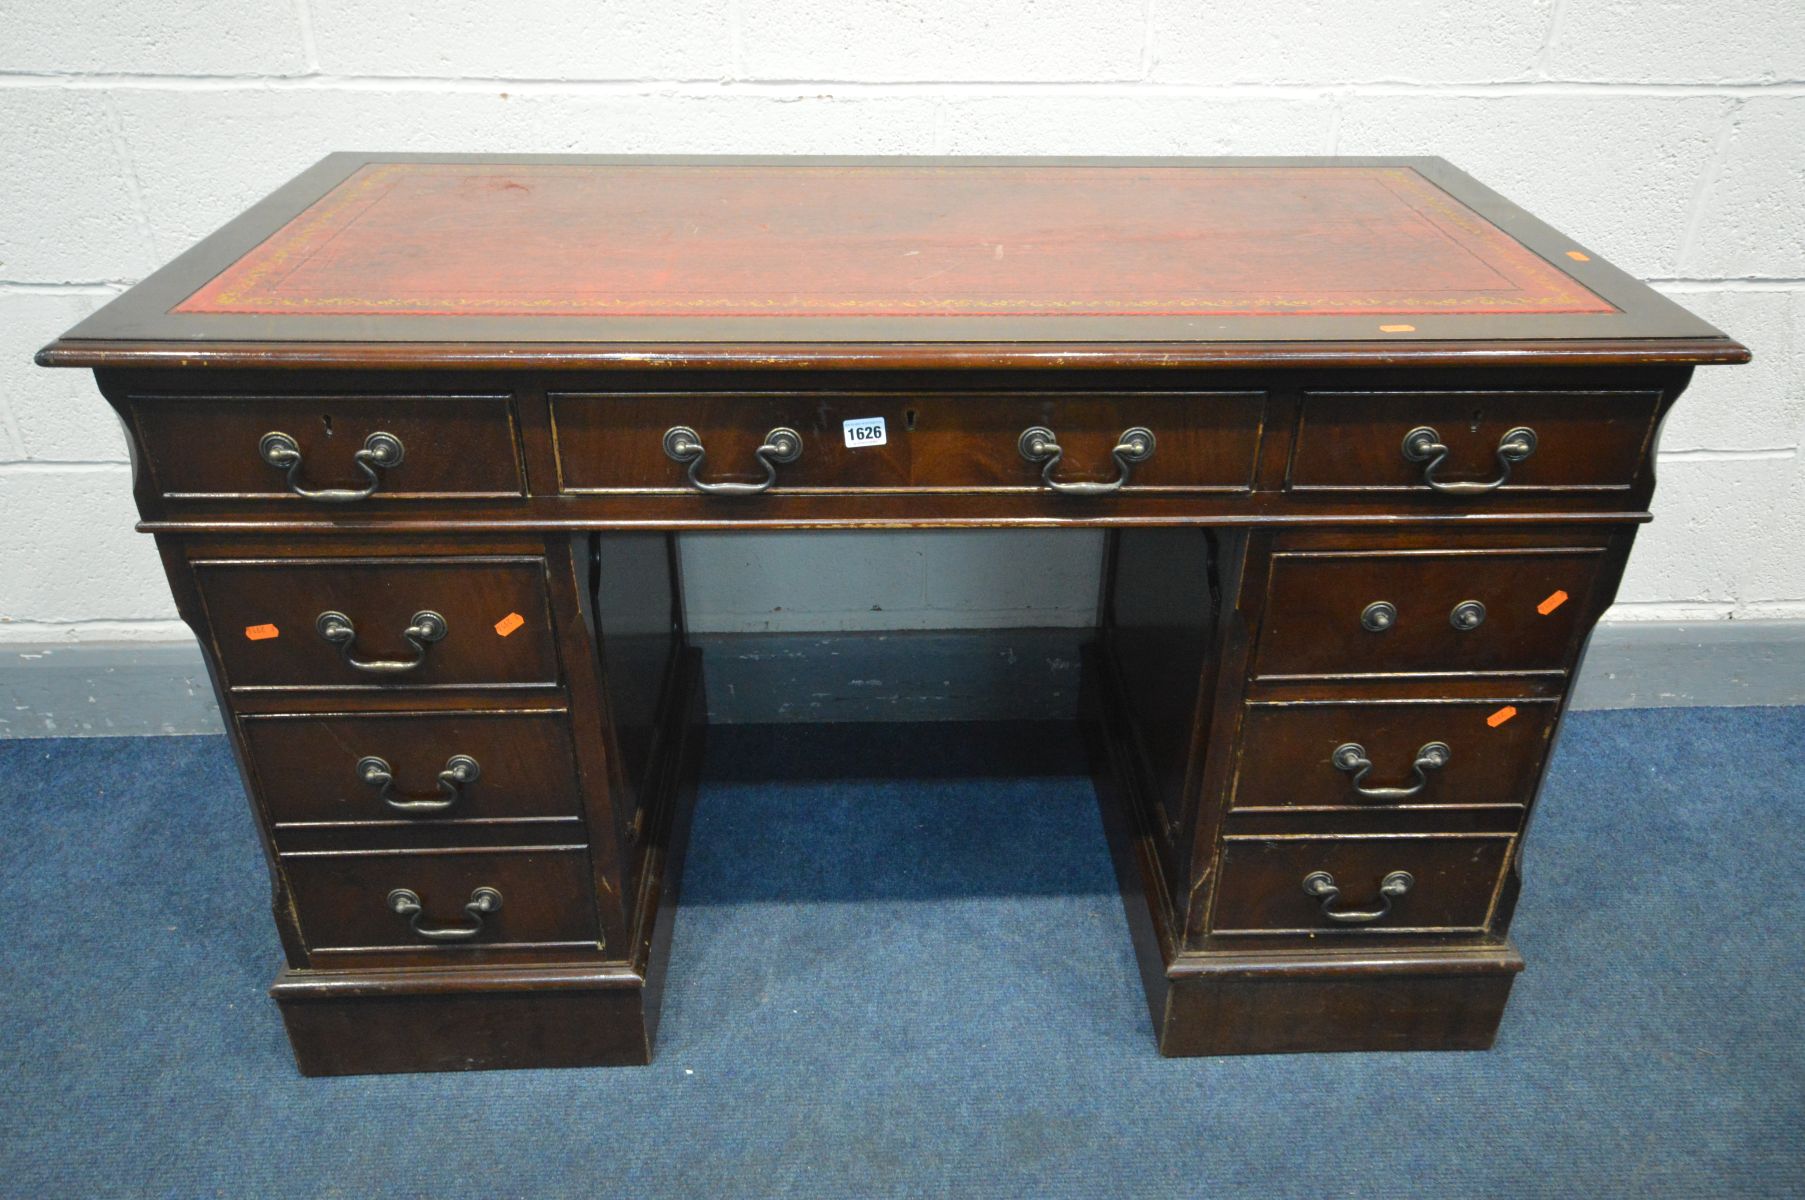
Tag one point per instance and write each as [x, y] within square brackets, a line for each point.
[471, 760]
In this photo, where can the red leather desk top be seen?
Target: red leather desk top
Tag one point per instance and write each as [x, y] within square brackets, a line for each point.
[613, 240]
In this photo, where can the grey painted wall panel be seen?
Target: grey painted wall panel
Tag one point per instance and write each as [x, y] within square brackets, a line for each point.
[928, 579]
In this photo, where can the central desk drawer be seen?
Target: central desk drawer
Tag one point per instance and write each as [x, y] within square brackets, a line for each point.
[346, 900]
[395, 622]
[617, 442]
[1336, 613]
[356, 768]
[1374, 884]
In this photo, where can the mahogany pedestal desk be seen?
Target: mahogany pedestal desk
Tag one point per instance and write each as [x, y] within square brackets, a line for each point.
[415, 436]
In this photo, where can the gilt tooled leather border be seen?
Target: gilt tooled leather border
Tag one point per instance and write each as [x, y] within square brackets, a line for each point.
[256, 282]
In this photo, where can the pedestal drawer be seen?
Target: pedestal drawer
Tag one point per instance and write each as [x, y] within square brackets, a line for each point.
[397, 622]
[467, 766]
[1367, 753]
[1188, 441]
[1435, 612]
[1382, 884]
[372, 900]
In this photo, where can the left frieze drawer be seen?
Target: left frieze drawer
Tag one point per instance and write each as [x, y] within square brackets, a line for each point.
[332, 451]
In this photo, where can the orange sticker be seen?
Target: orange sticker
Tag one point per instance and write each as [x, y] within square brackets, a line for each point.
[1397, 329]
[509, 624]
[1576, 256]
[1553, 602]
[261, 633]
[1501, 716]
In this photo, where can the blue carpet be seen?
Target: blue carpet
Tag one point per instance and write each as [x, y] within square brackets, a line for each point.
[896, 976]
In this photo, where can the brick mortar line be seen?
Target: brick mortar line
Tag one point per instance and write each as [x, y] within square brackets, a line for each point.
[1728, 283]
[1707, 454]
[736, 41]
[74, 622]
[1550, 37]
[714, 85]
[1729, 609]
[1332, 130]
[1149, 58]
[1699, 203]
[12, 434]
[56, 466]
[128, 166]
[66, 287]
[309, 48]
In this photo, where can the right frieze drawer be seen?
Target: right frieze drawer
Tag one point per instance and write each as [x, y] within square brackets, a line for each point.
[1470, 445]
[1337, 613]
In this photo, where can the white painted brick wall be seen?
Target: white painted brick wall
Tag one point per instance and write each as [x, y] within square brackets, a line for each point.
[543, 39]
[1618, 172]
[1316, 42]
[1669, 135]
[915, 41]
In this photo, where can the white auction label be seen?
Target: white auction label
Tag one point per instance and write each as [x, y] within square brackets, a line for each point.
[866, 431]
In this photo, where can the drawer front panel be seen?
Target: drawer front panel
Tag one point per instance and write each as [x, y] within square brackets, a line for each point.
[344, 899]
[1590, 441]
[1471, 752]
[452, 447]
[1378, 612]
[1201, 441]
[309, 767]
[265, 617]
[1453, 881]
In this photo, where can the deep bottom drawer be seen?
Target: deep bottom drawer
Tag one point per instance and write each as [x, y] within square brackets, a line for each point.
[1275, 885]
[346, 899]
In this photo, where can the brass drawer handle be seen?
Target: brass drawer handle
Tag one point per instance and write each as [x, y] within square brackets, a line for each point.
[1322, 884]
[1424, 445]
[381, 450]
[782, 445]
[427, 628]
[483, 901]
[1351, 757]
[460, 770]
[1039, 445]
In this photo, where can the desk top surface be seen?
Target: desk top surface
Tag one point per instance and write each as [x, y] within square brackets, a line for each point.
[442, 259]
